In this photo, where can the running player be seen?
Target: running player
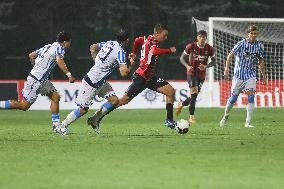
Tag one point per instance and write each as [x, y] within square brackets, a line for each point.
[249, 52]
[44, 60]
[195, 58]
[107, 56]
[144, 77]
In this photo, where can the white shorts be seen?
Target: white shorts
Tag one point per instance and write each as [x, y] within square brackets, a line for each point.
[87, 93]
[239, 86]
[34, 87]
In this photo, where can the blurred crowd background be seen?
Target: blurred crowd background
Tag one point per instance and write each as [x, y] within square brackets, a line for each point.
[28, 25]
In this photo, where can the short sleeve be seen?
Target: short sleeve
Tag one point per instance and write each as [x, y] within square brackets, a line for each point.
[236, 49]
[121, 57]
[101, 44]
[60, 51]
[188, 48]
[261, 51]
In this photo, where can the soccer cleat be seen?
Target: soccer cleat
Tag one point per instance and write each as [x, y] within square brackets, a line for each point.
[223, 121]
[94, 122]
[55, 124]
[63, 131]
[170, 123]
[179, 108]
[248, 125]
[192, 119]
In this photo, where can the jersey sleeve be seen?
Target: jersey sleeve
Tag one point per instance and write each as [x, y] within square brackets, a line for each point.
[188, 48]
[60, 51]
[212, 51]
[121, 57]
[137, 42]
[101, 44]
[237, 47]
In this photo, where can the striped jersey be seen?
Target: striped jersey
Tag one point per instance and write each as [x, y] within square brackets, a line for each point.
[198, 55]
[110, 55]
[247, 57]
[46, 60]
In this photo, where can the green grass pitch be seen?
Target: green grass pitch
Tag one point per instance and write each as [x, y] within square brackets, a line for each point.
[135, 151]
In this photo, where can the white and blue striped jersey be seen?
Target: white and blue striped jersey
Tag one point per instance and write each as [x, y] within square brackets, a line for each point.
[46, 60]
[247, 57]
[110, 55]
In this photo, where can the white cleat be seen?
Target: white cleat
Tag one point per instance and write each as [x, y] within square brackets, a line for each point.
[63, 131]
[247, 125]
[223, 121]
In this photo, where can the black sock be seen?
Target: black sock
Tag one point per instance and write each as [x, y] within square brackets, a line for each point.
[110, 110]
[192, 103]
[169, 108]
[186, 102]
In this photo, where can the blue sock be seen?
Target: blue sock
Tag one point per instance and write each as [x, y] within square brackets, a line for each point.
[55, 117]
[77, 112]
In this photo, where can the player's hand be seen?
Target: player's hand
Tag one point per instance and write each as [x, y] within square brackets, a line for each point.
[71, 79]
[173, 49]
[188, 69]
[202, 67]
[226, 74]
[131, 58]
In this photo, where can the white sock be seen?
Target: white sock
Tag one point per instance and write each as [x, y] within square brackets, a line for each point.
[69, 119]
[250, 107]
[229, 106]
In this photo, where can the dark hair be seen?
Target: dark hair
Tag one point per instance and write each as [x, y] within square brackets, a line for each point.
[121, 35]
[202, 32]
[252, 28]
[159, 28]
[63, 36]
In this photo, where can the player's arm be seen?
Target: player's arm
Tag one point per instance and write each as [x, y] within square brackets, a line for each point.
[61, 64]
[228, 63]
[32, 57]
[137, 42]
[94, 49]
[183, 59]
[213, 58]
[262, 70]
[157, 51]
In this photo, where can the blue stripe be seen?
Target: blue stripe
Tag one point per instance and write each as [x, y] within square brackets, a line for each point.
[77, 112]
[107, 105]
[7, 104]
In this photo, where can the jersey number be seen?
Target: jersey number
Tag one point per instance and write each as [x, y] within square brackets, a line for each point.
[104, 52]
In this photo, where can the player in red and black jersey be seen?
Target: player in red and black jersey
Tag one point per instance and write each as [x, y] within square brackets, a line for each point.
[145, 76]
[195, 58]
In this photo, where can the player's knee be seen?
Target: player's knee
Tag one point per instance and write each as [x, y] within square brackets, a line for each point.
[55, 97]
[24, 106]
[124, 100]
[83, 110]
[193, 90]
[251, 99]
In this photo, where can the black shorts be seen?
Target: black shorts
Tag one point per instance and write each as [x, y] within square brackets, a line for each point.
[139, 84]
[194, 81]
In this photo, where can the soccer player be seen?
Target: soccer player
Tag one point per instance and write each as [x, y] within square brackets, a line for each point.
[195, 58]
[249, 52]
[44, 60]
[144, 77]
[107, 56]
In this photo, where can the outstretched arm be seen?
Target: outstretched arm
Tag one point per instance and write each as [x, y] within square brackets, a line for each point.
[61, 64]
[158, 51]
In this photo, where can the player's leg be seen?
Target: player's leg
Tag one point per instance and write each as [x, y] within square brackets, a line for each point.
[237, 86]
[14, 104]
[106, 91]
[47, 89]
[162, 86]
[250, 91]
[83, 100]
[186, 102]
[29, 93]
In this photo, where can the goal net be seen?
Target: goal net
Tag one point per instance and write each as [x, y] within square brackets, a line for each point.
[223, 34]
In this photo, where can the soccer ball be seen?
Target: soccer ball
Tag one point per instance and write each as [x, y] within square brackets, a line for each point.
[182, 126]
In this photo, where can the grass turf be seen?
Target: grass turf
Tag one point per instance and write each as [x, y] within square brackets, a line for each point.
[135, 151]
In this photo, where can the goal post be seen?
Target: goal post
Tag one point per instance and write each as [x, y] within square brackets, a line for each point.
[223, 34]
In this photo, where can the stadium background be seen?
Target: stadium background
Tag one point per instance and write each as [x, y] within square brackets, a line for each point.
[27, 25]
